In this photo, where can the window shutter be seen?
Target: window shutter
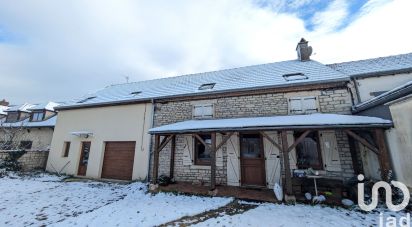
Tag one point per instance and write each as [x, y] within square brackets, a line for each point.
[295, 105]
[272, 164]
[208, 110]
[330, 151]
[233, 161]
[188, 150]
[292, 153]
[198, 111]
[309, 104]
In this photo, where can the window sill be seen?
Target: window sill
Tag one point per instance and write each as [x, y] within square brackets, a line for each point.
[199, 167]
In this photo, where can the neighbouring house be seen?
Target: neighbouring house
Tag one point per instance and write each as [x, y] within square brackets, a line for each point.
[383, 86]
[260, 125]
[394, 105]
[375, 76]
[28, 127]
[104, 135]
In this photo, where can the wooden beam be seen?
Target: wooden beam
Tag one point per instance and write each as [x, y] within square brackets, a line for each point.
[298, 141]
[288, 177]
[384, 160]
[156, 159]
[354, 154]
[271, 140]
[213, 163]
[362, 141]
[207, 146]
[172, 157]
[225, 139]
[165, 141]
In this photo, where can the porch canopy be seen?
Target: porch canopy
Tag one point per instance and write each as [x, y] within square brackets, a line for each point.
[307, 123]
[273, 123]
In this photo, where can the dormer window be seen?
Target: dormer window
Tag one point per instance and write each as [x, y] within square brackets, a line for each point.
[295, 76]
[86, 99]
[208, 86]
[37, 116]
[12, 117]
[134, 93]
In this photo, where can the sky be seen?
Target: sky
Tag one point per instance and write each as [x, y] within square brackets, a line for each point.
[60, 50]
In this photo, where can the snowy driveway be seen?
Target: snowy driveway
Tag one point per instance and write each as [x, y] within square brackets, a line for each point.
[46, 200]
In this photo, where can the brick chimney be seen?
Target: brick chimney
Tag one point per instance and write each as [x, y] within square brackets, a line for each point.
[304, 51]
[4, 103]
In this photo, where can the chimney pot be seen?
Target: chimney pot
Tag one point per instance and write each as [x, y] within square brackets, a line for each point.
[4, 103]
[303, 50]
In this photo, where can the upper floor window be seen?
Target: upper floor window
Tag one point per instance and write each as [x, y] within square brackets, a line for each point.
[203, 111]
[295, 76]
[86, 99]
[37, 116]
[207, 86]
[12, 117]
[303, 105]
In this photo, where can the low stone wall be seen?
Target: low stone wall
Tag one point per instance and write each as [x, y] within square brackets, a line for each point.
[31, 160]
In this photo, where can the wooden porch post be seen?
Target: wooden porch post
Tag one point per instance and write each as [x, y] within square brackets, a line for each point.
[172, 157]
[213, 162]
[384, 160]
[285, 153]
[354, 155]
[156, 159]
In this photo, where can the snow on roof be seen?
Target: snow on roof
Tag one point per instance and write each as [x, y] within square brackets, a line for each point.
[24, 108]
[396, 63]
[45, 106]
[390, 95]
[3, 109]
[249, 77]
[26, 123]
[275, 122]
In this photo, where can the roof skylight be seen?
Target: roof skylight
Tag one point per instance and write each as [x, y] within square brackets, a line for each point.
[208, 86]
[135, 93]
[295, 76]
[86, 99]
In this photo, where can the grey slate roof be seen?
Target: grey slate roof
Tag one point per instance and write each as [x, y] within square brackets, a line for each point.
[376, 66]
[244, 78]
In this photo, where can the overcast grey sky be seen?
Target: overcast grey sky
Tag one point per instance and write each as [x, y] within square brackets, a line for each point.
[59, 50]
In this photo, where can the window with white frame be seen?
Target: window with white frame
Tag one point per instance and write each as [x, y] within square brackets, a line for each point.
[303, 105]
[203, 111]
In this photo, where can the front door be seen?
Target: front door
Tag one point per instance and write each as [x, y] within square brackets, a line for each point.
[84, 159]
[252, 161]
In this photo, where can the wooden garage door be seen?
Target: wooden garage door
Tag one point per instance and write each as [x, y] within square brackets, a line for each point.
[118, 160]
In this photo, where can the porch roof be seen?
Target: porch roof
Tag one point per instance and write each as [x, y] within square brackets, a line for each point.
[274, 122]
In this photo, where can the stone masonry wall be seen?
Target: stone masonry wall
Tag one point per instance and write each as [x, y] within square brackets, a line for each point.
[329, 101]
[32, 160]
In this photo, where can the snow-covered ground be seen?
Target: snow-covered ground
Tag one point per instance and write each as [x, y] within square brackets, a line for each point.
[47, 200]
[267, 214]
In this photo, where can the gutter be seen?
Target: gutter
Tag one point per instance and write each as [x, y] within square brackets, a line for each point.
[384, 98]
[150, 141]
[143, 100]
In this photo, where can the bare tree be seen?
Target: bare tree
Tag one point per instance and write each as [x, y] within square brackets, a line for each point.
[11, 137]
